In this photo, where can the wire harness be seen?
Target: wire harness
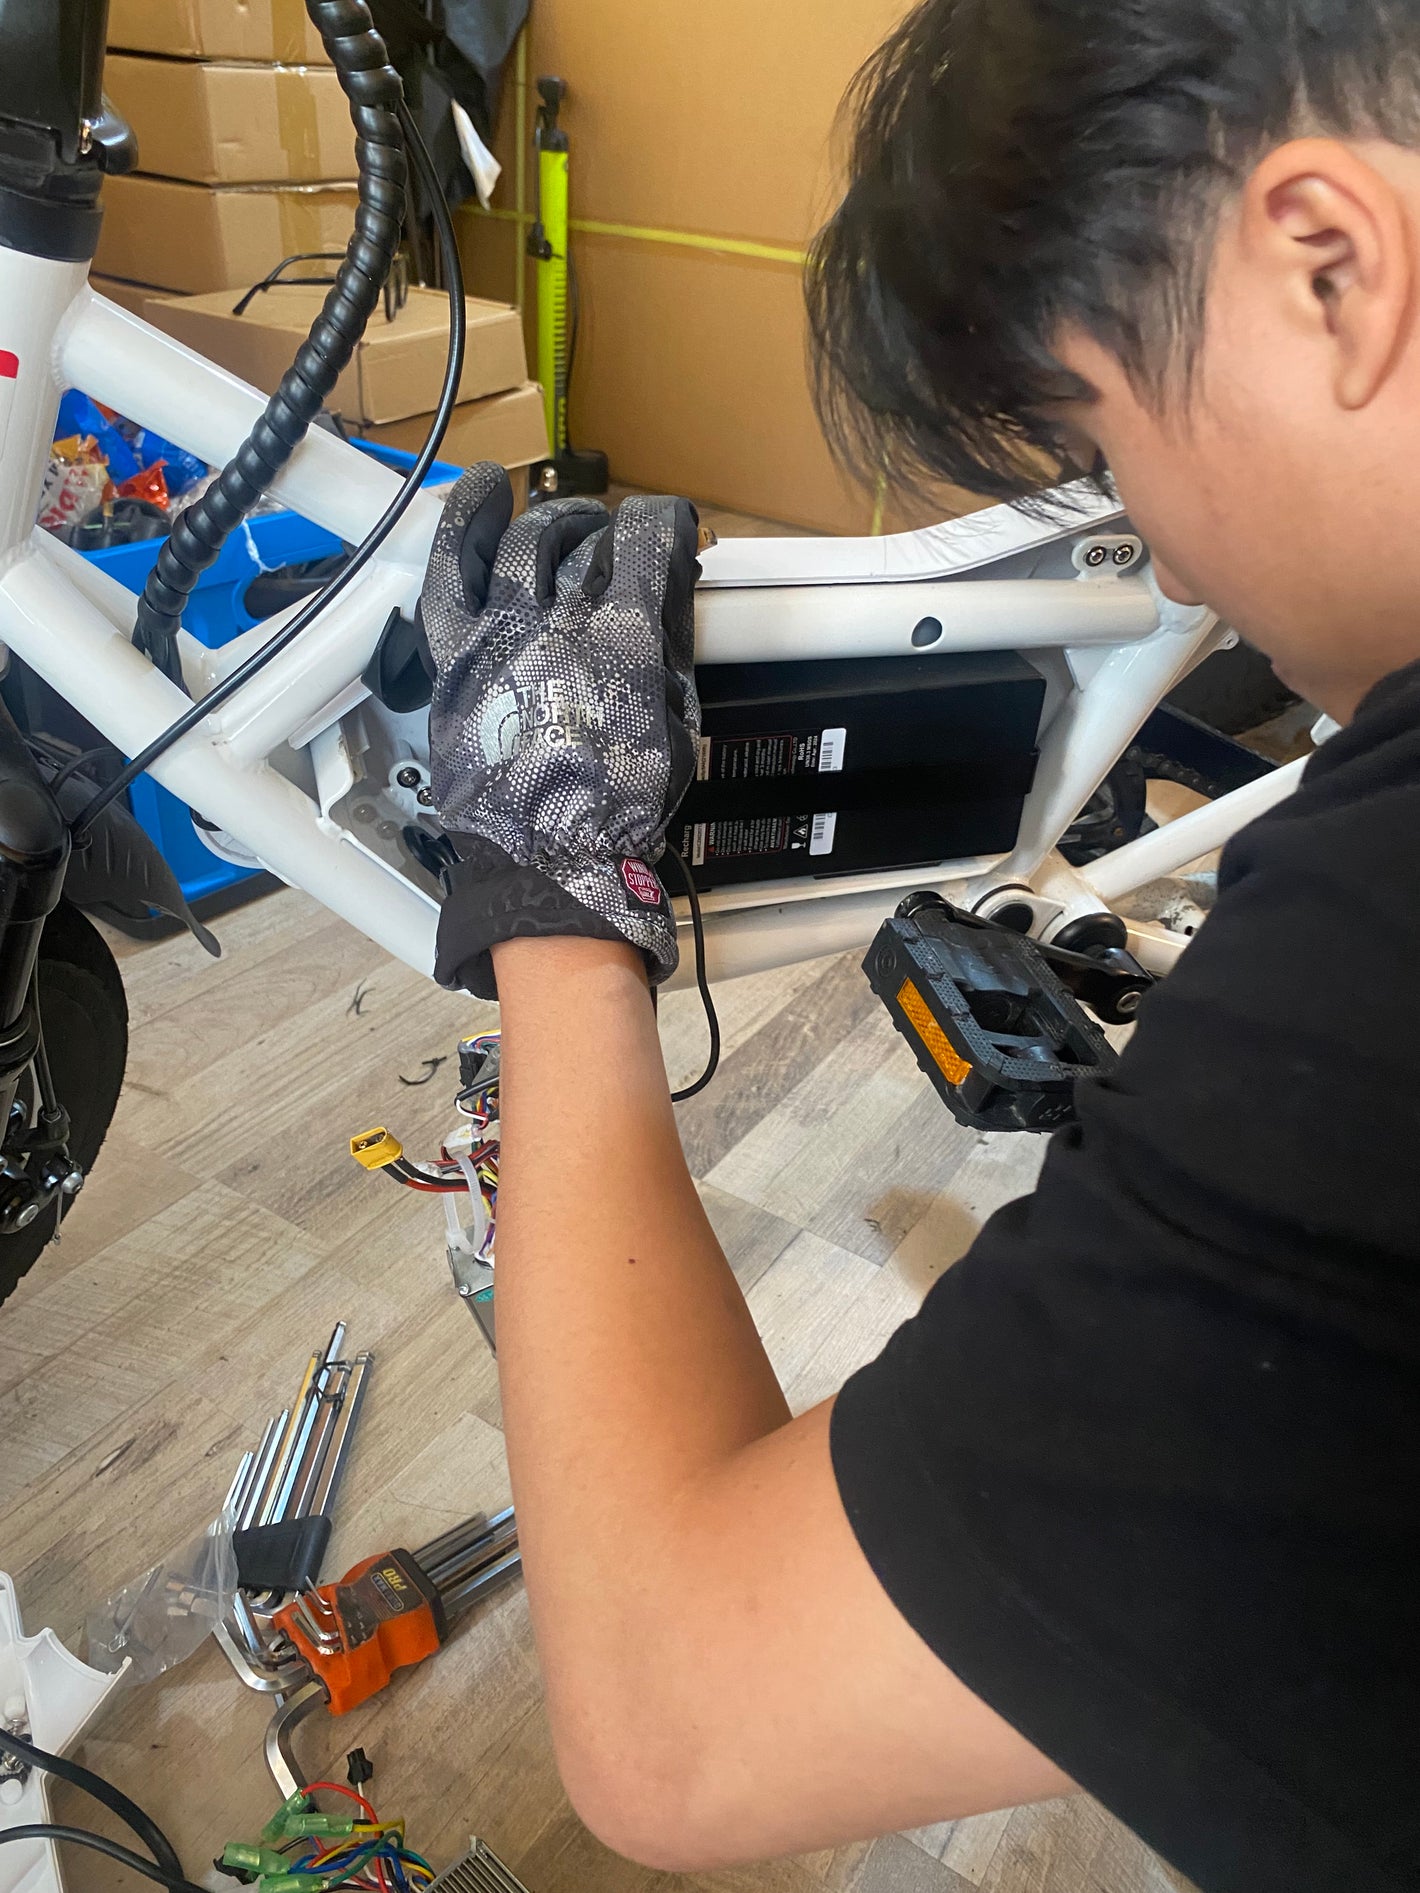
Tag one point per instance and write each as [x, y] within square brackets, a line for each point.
[304, 1851]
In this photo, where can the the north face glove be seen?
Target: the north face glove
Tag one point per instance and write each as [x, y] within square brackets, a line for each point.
[564, 726]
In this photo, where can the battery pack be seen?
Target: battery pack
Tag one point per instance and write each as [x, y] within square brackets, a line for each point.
[843, 766]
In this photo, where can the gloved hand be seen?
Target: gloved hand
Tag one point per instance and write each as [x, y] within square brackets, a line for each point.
[564, 726]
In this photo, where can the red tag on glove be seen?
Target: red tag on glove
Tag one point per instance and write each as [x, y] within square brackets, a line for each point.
[641, 883]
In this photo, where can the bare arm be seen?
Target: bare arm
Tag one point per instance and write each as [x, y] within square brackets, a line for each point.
[726, 1678]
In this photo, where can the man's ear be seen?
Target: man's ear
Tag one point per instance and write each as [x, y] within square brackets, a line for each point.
[1333, 232]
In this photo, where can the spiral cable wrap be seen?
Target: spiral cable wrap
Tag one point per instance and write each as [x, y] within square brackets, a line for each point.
[373, 88]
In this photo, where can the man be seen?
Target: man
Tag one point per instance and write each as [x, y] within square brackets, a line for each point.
[1132, 1503]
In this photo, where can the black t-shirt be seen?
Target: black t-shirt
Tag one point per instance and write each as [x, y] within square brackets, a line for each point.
[1145, 1471]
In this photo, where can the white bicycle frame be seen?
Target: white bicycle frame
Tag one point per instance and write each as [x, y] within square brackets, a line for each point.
[299, 771]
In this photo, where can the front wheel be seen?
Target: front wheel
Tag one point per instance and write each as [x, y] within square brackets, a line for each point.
[85, 1017]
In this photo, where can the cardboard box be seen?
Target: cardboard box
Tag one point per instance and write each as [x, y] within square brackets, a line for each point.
[690, 368]
[721, 409]
[129, 296]
[228, 124]
[509, 428]
[398, 368]
[745, 148]
[188, 237]
[217, 29]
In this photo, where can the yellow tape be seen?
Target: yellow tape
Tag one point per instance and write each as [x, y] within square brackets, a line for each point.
[293, 38]
[298, 122]
[685, 240]
[678, 239]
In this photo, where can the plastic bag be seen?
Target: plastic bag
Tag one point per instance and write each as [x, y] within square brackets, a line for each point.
[74, 485]
[129, 449]
[149, 484]
[159, 1619]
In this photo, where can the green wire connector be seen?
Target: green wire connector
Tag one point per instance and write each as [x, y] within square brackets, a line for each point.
[294, 1820]
[247, 1858]
[298, 1882]
[294, 1804]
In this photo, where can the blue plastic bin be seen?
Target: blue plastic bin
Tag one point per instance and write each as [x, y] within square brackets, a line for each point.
[216, 613]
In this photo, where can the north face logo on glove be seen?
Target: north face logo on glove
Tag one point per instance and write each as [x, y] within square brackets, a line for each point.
[641, 883]
[551, 712]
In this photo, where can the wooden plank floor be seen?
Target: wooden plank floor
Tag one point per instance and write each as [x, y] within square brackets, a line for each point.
[225, 1231]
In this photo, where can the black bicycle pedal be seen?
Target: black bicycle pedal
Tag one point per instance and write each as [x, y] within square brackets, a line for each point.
[996, 1030]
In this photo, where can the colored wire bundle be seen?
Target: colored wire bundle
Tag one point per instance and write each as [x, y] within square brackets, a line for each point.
[370, 1855]
[479, 1100]
[472, 1173]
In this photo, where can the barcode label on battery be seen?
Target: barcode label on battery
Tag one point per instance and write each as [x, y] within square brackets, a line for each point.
[832, 746]
[697, 845]
[825, 828]
[702, 763]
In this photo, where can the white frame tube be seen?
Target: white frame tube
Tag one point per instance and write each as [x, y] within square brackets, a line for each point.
[768, 598]
[1154, 857]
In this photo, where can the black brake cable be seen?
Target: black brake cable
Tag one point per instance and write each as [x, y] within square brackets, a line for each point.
[702, 980]
[373, 540]
[101, 1844]
[28, 1755]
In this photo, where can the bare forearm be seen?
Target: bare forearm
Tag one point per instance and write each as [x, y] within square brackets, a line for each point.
[630, 1366]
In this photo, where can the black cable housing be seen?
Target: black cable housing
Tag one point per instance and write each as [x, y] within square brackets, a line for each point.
[129, 1812]
[702, 981]
[375, 93]
[101, 1844]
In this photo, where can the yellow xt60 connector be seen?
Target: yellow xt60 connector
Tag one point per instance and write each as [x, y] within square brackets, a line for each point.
[376, 1149]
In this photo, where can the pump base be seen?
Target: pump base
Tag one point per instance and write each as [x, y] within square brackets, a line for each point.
[576, 471]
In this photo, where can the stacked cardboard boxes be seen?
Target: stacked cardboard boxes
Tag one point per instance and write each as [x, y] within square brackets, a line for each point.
[390, 388]
[247, 156]
[245, 146]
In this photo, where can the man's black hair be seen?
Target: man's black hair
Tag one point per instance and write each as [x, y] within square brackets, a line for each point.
[1020, 164]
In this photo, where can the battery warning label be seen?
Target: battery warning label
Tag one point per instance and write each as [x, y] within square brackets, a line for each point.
[764, 758]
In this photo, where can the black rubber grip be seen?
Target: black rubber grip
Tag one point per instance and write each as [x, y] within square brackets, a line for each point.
[373, 88]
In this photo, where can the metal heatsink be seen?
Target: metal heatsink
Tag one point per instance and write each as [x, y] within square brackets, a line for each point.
[479, 1871]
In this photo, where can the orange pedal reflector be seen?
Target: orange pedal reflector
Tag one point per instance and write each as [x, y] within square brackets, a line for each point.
[952, 1067]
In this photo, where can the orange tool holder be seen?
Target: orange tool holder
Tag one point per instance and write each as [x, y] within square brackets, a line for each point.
[381, 1617]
